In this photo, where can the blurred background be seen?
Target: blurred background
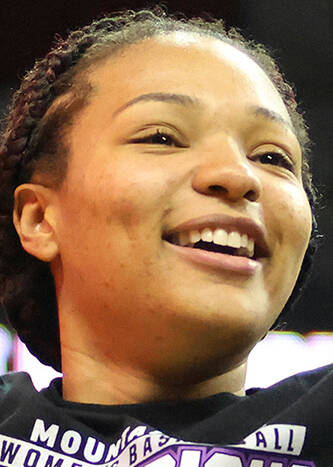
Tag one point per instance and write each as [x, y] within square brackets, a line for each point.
[299, 33]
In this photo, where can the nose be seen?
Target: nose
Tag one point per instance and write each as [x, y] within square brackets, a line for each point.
[227, 173]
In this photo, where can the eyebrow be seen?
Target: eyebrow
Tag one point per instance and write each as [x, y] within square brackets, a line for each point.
[271, 115]
[182, 99]
[191, 101]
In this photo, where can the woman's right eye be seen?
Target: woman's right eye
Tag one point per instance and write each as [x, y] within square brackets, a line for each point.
[277, 159]
[158, 137]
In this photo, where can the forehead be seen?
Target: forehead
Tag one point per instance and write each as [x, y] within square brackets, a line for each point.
[186, 63]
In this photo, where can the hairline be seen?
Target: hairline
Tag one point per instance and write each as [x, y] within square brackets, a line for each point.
[83, 88]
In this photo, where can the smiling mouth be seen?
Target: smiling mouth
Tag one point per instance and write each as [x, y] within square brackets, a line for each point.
[216, 241]
[227, 250]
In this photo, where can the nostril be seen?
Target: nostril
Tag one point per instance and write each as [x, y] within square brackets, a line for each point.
[217, 188]
[251, 195]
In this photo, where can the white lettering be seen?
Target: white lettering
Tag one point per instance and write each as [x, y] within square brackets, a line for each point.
[45, 436]
[165, 461]
[124, 437]
[136, 432]
[114, 451]
[70, 442]
[227, 460]
[94, 450]
[190, 458]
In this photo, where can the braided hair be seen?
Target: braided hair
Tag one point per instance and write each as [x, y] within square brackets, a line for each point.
[32, 139]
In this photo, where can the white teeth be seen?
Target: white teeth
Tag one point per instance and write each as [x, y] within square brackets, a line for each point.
[207, 235]
[244, 240]
[195, 236]
[183, 238]
[234, 240]
[251, 247]
[220, 237]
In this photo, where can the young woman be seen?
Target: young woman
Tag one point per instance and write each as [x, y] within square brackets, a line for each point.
[157, 215]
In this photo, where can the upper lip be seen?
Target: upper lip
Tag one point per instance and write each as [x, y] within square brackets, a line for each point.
[243, 225]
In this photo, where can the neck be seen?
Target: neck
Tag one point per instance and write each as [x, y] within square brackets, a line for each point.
[89, 381]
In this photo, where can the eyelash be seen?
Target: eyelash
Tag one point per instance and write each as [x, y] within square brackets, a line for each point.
[159, 134]
[282, 159]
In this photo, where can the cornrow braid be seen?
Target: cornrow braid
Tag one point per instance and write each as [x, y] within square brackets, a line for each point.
[26, 284]
[32, 140]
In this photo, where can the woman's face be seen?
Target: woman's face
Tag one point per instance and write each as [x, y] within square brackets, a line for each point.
[182, 133]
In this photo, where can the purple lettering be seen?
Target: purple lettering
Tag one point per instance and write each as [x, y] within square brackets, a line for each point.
[133, 454]
[261, 439]
[147, 447]
[291, 439]
[277, 445]
[49, 462]
[163, 440]
[32, 456]
[9, 452]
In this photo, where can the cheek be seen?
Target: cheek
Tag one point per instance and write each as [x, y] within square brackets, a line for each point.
[288, 220]
[125, 206]
[296, 218]
[134, 192]
[290, 223]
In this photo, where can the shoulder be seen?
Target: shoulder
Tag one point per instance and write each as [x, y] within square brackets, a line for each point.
[15, 387]
[317, 382]
[311, 378]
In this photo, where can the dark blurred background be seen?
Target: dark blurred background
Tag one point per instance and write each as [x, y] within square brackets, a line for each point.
[300, 34]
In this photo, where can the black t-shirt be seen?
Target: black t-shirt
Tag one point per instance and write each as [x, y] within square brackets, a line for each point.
[289, 424]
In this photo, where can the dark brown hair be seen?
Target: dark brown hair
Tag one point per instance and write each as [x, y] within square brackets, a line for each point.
[32, 139]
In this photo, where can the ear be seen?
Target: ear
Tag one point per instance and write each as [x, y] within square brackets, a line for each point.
[34, 221]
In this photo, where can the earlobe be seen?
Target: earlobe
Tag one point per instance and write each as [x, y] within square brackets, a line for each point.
[33, 221]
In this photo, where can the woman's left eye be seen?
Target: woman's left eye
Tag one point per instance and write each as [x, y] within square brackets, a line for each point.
[158, 137]
[276, 158]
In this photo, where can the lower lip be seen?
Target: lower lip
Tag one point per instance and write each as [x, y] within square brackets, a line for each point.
[219, 261]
